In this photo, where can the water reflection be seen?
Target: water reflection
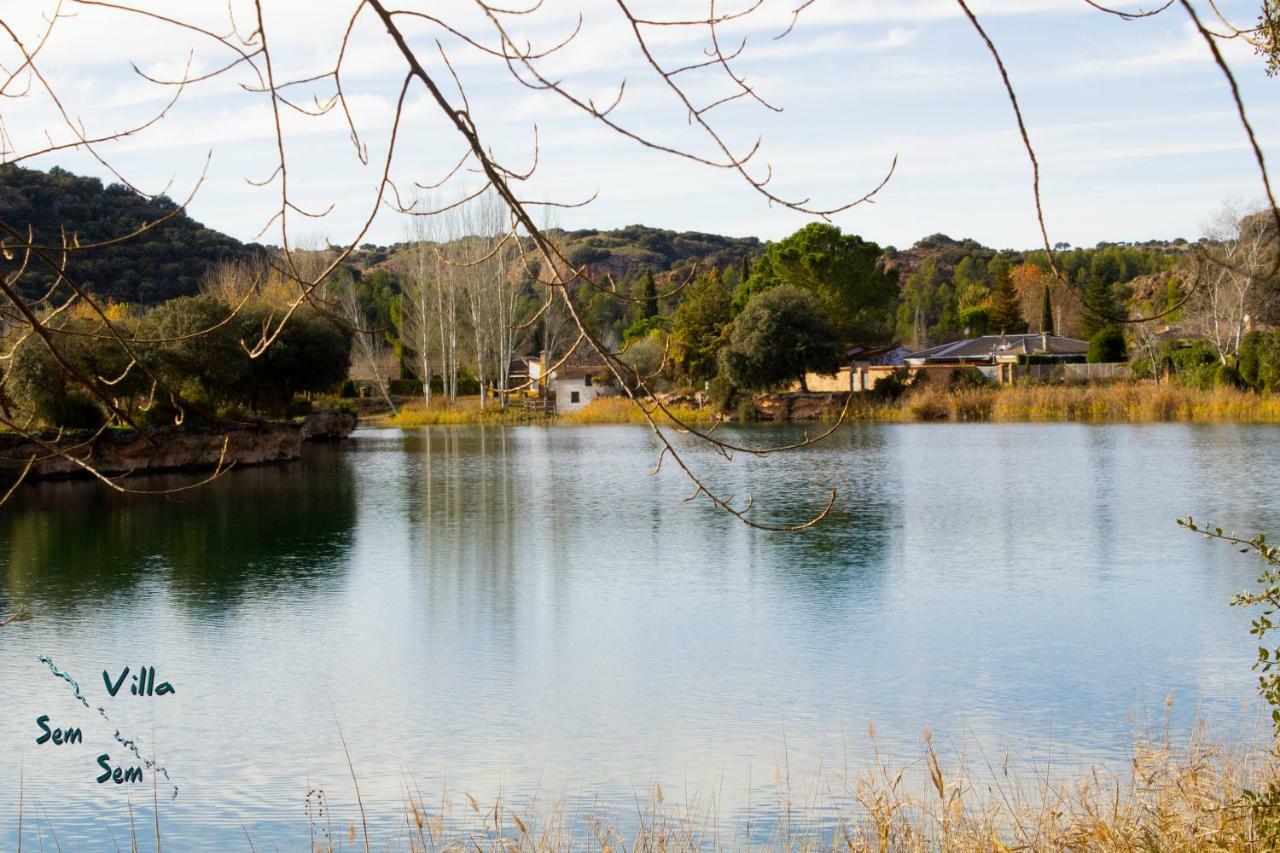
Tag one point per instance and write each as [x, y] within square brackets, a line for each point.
[529, 612]
[261, 532]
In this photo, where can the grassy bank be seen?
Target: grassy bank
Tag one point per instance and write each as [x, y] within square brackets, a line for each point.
[464, 412]
[1118, 403]
[621, 410]
[467, 412]
[1127, 402]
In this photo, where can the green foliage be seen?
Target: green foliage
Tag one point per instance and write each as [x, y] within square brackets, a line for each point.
[698, 326]
[1006, 312]
[976, 320]
[196, 349]
[74, 411]
[405, 387]
[645, 355]
[721, 393]
[892, 386]
[965, 378]
[1259, 361]
[644, 328]
[1107, 346]
[1046, 312]
[201, 356]
[919, 304]
[648, 307]
[780, 335]
[1266, 42]
[1228, 376]
[1100, 308]
[841, 271]
[1194, 365]
[1265, 804]
[166, 261]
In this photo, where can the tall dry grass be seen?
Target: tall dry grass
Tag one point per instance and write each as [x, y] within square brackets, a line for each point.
[467, 412]
[464, 412]
[1128, 402]
[621, 410]
[1175, 799]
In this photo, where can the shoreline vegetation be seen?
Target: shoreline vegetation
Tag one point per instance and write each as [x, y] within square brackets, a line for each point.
[1122, 402]
[1174, 797]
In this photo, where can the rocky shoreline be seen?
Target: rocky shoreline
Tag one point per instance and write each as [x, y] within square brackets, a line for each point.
[124, 452]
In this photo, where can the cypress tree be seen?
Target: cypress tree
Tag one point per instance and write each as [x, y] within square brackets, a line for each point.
[1046, 313]
[648, 293]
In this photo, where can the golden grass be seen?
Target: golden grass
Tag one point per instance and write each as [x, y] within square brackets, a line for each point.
[621, 410]
[1174, 799]
[1127, 402]
[465, 412]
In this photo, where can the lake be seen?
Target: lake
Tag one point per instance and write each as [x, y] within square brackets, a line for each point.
[528, 613]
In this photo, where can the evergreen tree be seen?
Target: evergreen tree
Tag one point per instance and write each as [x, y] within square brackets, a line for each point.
[649, 293]
[1006, 313]
[697, 328]
[1046, 312]
[1100, 307]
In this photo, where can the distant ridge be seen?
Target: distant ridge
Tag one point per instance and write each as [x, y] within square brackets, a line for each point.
[164, 263]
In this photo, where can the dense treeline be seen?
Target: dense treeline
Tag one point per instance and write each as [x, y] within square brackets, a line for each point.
[703, 311]
[165, 262]
[193, 364]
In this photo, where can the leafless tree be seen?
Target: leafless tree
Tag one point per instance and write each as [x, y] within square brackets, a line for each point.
[368, 341]
[1237, 262]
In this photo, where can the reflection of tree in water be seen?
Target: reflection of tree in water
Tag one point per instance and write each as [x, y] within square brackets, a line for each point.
[464, 518]
[254, 530]
[841, 561]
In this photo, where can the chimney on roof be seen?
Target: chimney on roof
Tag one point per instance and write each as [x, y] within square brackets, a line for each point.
[1044, 340]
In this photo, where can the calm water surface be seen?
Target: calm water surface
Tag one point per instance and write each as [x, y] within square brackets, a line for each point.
[528, 613]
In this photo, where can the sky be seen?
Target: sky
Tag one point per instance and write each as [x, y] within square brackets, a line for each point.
[1134, 125]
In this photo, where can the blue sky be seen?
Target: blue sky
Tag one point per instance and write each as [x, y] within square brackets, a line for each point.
[1135, 128]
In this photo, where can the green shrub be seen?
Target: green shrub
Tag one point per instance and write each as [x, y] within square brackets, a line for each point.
[721, 393]
[1194, 365]
[966, 377]
[405, 388]
[893, 386]
[299, 408]
[1228, 376]
[349, 389]
[74, 411]
[1107, 346]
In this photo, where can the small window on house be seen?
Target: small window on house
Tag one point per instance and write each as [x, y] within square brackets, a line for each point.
[573, 397]
[586, 380]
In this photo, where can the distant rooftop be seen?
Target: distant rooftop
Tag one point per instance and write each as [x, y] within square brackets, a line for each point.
[990, 346]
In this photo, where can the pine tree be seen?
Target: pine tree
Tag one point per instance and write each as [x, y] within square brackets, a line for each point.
[1100, 307]
[1046, 312]
[1006, 313]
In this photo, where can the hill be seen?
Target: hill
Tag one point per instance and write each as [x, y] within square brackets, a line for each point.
[166, 262]
[624, 253]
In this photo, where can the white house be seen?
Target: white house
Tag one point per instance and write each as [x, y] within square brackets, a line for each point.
[573, 388]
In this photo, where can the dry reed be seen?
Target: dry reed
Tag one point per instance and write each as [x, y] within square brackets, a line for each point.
[1128, 402]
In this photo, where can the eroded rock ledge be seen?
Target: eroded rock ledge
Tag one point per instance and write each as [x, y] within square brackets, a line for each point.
[123, 452]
